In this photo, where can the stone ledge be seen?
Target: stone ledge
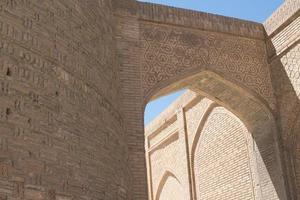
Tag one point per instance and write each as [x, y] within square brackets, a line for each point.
[284, 15]
[200, 20]
[285, 39]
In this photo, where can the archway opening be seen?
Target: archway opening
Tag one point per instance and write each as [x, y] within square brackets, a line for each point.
[156, 107]
[170, 142]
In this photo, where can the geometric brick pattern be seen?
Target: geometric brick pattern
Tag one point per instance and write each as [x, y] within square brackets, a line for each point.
[169, 52]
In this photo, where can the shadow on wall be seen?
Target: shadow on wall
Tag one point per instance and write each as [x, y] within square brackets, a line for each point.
[216, 125]
[286, 75]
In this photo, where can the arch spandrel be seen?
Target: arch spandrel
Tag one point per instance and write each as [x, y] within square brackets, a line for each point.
[170, 53]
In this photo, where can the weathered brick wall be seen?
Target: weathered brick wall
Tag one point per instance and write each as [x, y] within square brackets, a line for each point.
[61, 131]
[127, 39]
[284, 56]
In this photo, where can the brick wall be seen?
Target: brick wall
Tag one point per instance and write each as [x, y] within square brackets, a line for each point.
[61, 131]
[127, 44]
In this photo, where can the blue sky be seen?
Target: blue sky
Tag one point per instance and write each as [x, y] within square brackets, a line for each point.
[253, 10]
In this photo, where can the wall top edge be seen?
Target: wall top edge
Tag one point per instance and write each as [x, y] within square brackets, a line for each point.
[162, 14]
[282, 16]
[199, 20]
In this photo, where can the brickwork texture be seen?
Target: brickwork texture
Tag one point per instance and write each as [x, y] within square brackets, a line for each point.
[223, 158]
[75, 77]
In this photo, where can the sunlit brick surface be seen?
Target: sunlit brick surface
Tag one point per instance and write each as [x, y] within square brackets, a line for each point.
[221, 162]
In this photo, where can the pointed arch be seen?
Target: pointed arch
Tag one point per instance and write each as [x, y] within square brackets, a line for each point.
[252, 110]
[214, 110]
[163, 181]
[195, 141]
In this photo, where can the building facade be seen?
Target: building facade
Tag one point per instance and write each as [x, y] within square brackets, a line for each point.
[75, 77]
